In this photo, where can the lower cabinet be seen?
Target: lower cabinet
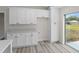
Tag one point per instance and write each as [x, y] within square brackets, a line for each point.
[14, 42]
[23, 39]
[34, 38]
[28, 39]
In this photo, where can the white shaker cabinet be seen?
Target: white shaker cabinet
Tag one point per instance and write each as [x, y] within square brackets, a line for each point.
[14, 40]
[13, 16]
[28, 39]
[23, 39]
[21, 16]
[34, 38]
[31, 39]
[18, 16]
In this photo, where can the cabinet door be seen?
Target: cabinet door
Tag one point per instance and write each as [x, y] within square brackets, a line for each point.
[12, 16]
[28, 39]
[32, 18]
[21, 15]
[34, 38]
[14, 40]
[21, 40]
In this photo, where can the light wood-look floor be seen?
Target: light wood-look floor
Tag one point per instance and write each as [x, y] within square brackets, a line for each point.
[46, 47]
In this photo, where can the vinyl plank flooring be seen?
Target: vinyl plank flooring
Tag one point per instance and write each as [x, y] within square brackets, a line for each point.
[34, 49]
[24, 49]
[46, 47]
[53, 48]
[49, 47]
[40, 49]
[28, 50]
[43, 47]
[21, 50]
[18, 50]
[60, 48]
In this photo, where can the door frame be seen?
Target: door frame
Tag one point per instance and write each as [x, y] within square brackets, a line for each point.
[65, 41]
[4, 20]
[64, 26]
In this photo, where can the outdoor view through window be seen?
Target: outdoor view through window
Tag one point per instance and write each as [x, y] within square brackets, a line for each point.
[72, 29]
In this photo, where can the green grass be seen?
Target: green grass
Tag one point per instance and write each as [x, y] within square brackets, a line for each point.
[72, 35]
[72, 27]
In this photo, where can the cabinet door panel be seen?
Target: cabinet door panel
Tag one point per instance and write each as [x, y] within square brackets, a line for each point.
[34, 38]
[14, 42]
[21, 15]
[21, 40]
[28, 39]
[12, 16]
[14, 37]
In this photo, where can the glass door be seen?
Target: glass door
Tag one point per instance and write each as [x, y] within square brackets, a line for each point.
[72, 29]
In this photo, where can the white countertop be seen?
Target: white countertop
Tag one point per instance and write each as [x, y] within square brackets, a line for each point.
[4, 44]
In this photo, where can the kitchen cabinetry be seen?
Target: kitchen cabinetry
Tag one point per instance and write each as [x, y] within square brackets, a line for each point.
[21, 16]
[25, 15]
[28, 39]
[23, 39]
[34, 37]
[12, 16]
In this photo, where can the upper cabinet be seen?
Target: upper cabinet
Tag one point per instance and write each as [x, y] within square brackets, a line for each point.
[19, 16]
[25, 15]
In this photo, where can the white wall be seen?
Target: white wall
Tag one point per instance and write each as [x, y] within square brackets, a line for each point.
[54, 19]
[65, 10]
